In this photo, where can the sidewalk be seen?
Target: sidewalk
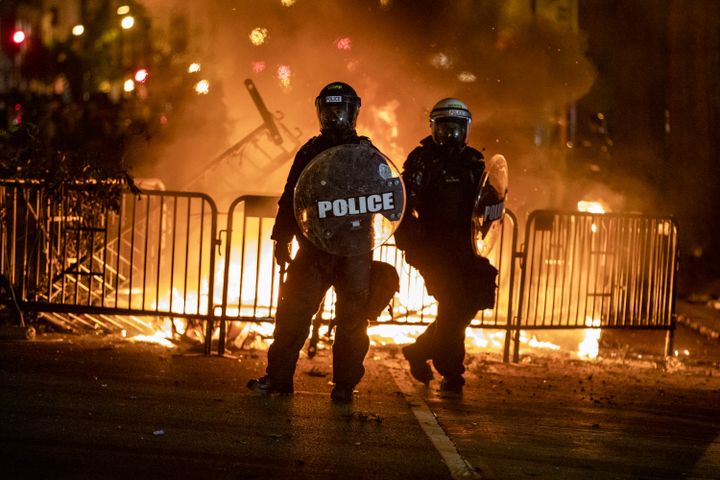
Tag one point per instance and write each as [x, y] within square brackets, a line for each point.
[704, 318]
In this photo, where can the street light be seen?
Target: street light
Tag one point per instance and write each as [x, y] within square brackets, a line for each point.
[141, 74]
[127, 22]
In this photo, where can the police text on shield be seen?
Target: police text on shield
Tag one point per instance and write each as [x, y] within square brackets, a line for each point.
[356, 205]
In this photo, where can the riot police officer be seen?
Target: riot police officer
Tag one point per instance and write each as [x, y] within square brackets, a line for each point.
[441, 178]
[313, 270]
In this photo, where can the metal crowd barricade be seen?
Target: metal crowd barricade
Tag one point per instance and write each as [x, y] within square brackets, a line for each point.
[251, 279]
[99, 268]
[102, 268]
[586, 270]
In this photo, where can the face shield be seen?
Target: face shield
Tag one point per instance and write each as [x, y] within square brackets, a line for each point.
[450, 131]
[337, 113]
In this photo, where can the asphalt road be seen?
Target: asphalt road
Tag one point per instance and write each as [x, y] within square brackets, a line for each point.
[104, 407]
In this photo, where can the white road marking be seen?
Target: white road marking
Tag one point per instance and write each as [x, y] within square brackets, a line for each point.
[458, 466]
[709, 465]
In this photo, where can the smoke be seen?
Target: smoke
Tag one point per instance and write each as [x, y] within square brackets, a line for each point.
[516, 72]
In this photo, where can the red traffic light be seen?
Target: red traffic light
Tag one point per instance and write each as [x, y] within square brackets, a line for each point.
[18, 37]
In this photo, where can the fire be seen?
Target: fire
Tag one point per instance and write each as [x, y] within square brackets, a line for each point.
[592, 206]
[161, 336]
[590, 345]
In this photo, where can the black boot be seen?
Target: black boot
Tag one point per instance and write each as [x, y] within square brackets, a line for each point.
[266, 385]
[342, 394]
[419, 367]
[452, 387]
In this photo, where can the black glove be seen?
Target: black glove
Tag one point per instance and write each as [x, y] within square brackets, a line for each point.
[283, 252]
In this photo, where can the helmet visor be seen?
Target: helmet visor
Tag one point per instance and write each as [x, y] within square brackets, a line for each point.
[337, 116]
[449, 131]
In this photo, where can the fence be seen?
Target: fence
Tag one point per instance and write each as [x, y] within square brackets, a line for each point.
[161, 255]
[585, 270]
[86, 265]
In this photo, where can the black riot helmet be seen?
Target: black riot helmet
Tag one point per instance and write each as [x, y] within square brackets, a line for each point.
[337, 108]
[449, 122]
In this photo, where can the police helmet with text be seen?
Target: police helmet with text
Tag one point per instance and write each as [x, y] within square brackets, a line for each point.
[337, 107]
[450, 122]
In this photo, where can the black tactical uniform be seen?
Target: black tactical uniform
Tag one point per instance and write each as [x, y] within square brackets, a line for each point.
[441, 184]
[312, 272]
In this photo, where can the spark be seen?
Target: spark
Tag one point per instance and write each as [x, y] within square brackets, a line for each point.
[78, 30]
[258, 66]
[344, 43]
[194, 67]
[258, 36]
[129, 85]
[287, 3]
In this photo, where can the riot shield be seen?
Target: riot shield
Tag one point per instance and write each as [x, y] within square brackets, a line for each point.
[349, 199]
[489, 206]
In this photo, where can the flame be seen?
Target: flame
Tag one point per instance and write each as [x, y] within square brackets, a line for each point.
[535, 343]
[590, 345]
[592, 206]
[160, 337]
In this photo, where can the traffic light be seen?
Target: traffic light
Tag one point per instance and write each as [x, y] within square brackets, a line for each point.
[18, 37]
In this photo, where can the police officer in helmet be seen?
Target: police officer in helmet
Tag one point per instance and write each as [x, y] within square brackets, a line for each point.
[442, 178]
[313, 270]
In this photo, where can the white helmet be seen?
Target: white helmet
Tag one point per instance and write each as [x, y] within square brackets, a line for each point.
[450, 122]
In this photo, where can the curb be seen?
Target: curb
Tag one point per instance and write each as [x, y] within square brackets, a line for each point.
[698, 327]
